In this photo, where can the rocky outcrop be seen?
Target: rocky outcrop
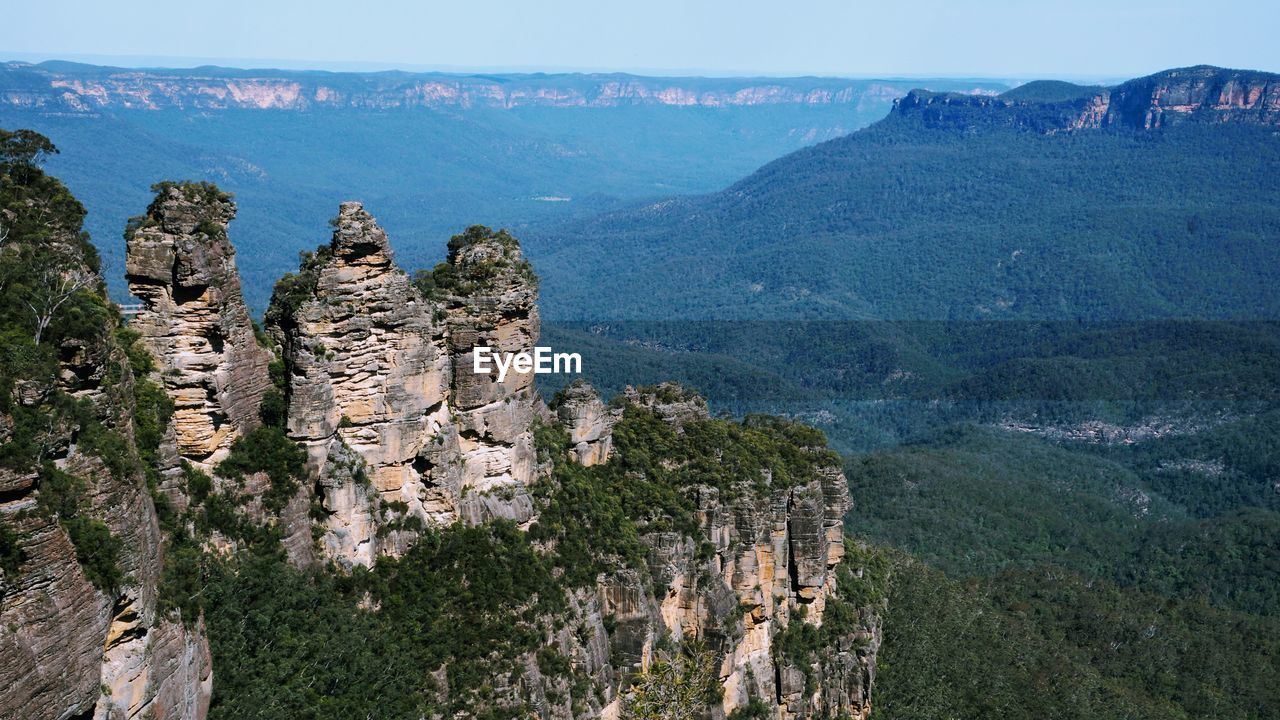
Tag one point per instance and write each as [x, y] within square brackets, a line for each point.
[81, 629]
[589, 423]
[368, 375]
[192, 318]
[1201, 94]
[769, 560]
[181, 265]
[402, 433]
[490, 301]
[52, 621]
[669, 401]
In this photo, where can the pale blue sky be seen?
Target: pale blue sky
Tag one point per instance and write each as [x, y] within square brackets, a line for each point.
[1005, 38]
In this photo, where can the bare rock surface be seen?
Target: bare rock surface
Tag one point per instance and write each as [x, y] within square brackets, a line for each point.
[368, 375]
[181, 264]
[493, 303]
[589, 423]
[72, 643]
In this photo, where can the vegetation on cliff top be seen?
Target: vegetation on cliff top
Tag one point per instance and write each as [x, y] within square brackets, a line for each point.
[594, 517]
[53, 308]
[461, 608]
[469, 273]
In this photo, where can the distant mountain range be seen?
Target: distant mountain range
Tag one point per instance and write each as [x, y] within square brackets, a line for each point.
[73, 87]
[428, 153]
[1157, 198]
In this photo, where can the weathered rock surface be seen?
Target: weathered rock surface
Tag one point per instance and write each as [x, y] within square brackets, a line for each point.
[68, 648]
[52, 622]
[402, 433]
[493, 304]
[368, 373]
[589, 422]
[670, 402]
[193, 318]
[772, 561]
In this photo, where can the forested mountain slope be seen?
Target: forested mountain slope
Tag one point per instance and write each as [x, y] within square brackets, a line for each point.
[1153, 199]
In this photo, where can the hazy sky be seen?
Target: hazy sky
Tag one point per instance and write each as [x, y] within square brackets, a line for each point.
[1006, 38]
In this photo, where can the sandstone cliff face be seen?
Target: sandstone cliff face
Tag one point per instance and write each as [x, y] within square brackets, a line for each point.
[369, 377]
[193, 318]
[1197, 94]
[493, 304]
[1202, 93]
[68, 647]
[401, 432]
[589, 422]
[66, 90]
[761, 562]
[771, 562]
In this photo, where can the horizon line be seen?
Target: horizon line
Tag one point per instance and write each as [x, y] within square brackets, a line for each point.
[177, 62]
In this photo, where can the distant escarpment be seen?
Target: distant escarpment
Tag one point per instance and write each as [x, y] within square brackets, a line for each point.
[74, 88]
[1197, 94]
[1022, 206]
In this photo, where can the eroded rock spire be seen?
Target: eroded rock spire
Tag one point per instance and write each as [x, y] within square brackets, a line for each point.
[181, 264]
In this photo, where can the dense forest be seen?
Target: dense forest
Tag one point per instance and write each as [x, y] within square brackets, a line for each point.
[905, 220]
[426, 171]
[1048, 500]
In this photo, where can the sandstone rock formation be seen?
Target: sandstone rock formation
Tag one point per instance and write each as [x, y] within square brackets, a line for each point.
[1203, 93]
[182, 266]
[490, 301]
[193, 320]
[589, 422]
[368, 375]
[383, 392]
[73, 642]
[771, 561]
[402, 433]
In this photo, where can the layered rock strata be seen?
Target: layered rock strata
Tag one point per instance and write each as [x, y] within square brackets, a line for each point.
[492, 302]
[770, 561]
[181, 265]
[368, 373]
[1201, 94]
[70, 647]
[401, 432]
[589, 423]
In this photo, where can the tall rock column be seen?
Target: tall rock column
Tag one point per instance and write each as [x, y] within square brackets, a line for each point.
[368, 384]
[193, 318]
[491, 301]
